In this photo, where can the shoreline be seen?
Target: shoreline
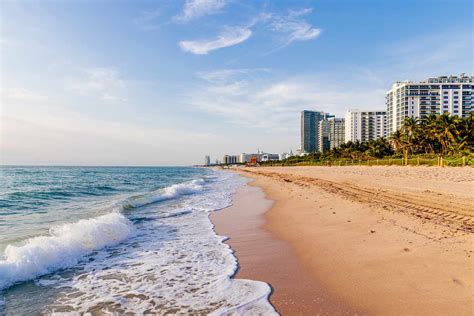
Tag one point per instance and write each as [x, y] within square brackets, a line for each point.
[366, 251]
[263, 257]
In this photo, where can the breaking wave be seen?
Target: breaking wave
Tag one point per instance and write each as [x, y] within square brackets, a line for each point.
[66, 244]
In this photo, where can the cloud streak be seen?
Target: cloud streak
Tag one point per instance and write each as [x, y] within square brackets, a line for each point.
[254, 99]
[293, 28]
[289, 28]
[194, 9]
[230, 37]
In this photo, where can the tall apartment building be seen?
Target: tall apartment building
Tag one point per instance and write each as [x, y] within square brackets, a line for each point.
[331, 133]
[310, 130]
[207, 160]
[323, 141]
[432, 96]
[365, 126]
[336, 132]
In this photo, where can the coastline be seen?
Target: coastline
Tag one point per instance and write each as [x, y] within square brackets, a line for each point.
[264, 257]
[361, 252]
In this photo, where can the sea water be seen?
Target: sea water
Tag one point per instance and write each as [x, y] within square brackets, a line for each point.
[112, 240]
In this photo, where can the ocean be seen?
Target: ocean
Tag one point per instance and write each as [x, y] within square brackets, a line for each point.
[117, 240]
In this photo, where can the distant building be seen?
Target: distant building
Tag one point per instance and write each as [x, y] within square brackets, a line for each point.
[207, 160]
[243, 158]
[439, 95]
[310, 130]
[229, 159]
[269, 157]
[284, 156]
[365, 126]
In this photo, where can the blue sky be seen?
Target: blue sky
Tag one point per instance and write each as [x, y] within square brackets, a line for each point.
[166, 82]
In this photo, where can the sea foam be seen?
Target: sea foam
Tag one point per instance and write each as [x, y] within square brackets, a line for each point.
[62, 248]
[67, 244]
[171, 192]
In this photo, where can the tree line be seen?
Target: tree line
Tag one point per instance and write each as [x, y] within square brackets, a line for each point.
[442, 135]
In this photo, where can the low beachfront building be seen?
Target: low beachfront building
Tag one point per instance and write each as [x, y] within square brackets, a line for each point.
[365, 126]
[439, 95]
[270, 157]
[284, 156]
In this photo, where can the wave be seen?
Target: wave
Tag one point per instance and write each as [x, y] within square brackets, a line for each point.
[68, 243]
[168, 193]
[63, 248]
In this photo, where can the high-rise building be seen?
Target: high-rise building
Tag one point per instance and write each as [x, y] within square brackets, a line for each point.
[364, 126]
[323, 141]
[331, 133]
[337, 135]
[207, 160]
[440, 95]
[310, 130]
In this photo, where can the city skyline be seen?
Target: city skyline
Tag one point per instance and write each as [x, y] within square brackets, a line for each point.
[167, 83]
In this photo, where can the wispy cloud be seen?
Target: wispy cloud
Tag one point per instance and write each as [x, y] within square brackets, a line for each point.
[289, 28]
[293, 27]
[229, 37]
[146, 21]
[223, 76]
[197, 8]
[253, 98]
[104, 83]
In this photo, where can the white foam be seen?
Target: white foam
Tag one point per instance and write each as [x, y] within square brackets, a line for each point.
[67, 243]
[63, 248]
[171, 192]
[174, 264]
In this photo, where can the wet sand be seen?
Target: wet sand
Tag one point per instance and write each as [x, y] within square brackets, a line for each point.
[266, 258]
[365, 240]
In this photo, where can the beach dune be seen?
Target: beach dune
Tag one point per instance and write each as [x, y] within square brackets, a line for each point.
[357, 240]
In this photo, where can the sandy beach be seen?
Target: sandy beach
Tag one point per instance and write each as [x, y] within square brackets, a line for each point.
[357, 240]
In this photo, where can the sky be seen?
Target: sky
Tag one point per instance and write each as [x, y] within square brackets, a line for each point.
[160, 83]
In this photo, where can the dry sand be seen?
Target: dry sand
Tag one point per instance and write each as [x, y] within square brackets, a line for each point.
[366, 240]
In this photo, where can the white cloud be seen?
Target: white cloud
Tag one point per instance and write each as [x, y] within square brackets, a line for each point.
[230, 37]
[103, 83]
[293, 28]
[224, 75]
[197, 8]
[301, 12]
[255, 99]
[290, 28]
